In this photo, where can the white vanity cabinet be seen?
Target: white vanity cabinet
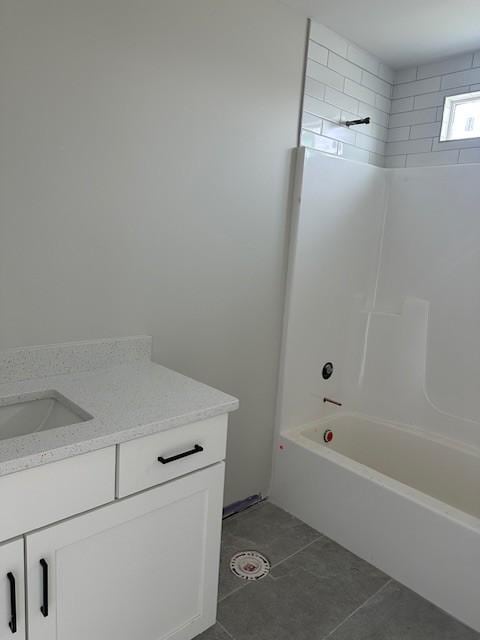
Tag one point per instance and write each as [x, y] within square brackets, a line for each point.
[12, 591]
[144, 566]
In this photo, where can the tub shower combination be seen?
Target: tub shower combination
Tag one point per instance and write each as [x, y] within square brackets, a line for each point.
[403, 491]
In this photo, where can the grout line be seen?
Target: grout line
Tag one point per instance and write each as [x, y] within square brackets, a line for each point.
[230, 593]
[355, 64]
[225, 630]
[357, 609]
[277, 564]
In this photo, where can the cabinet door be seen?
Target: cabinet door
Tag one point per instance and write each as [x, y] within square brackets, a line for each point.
[12, 591]
[145, 567]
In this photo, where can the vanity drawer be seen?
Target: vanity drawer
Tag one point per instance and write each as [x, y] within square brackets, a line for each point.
[36, 497]
[149, 461]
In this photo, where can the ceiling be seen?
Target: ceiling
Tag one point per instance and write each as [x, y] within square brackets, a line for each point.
[401, 32]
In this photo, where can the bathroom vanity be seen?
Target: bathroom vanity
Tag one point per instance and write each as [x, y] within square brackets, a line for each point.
[111, 531]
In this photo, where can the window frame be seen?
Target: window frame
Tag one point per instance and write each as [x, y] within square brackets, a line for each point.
[450, 104]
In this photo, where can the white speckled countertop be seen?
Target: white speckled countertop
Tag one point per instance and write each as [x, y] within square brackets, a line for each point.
[128, 396]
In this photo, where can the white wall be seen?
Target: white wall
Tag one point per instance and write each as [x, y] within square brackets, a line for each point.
[344, 82]
[144, 172]
[417, 109]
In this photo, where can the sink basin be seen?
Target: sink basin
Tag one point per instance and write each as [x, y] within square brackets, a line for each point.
[38, 412]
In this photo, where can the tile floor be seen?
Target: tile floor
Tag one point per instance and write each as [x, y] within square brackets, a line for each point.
[316, 590]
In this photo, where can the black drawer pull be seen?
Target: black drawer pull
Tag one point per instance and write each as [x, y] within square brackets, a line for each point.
[44, 606]
[196, 449]
[13, 603]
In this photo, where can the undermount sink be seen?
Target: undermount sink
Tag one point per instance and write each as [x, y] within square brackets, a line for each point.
[38, 412]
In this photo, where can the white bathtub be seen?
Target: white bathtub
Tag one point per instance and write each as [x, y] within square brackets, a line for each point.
[404, 500]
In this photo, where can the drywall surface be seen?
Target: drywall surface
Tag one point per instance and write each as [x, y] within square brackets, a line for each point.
[144, 174]
[344, 82]
[417, 109]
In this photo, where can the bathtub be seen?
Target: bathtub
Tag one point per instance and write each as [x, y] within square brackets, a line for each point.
[403, 499]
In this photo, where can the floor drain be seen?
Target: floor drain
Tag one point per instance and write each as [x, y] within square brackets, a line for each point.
[250, 565]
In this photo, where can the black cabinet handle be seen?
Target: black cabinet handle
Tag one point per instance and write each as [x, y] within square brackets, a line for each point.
[13, 603]
[44, 606]
[196, 449]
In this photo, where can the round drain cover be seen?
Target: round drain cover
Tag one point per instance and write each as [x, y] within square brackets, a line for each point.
[250, 565]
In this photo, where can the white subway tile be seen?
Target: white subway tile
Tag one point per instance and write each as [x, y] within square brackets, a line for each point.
[363, 59]
[476, 59]
[422, 116]
[378, 116]
[376, 84]
[395, 162]
[432, 159]
[317, 52]
[456, 144]
[310, 139]
[425, 131]
[359, 92]
[383, 103]
[407, 147]
[376, 159]
[469, 155]
[312, 123]
[348, 115]
[403, 104]
[406, 75]
[440, 68]
[314, 88]
[397, 134]
[320, 108]
[344, 67]
[339, 132]
[461, 78]
[386, 73]
[353, 153]
[324, 74]
[377, 131]
[436, 99]
[373, 129]
[429, 100]
[370, 144]
[415, 88]
[339, 99]
[328, 38]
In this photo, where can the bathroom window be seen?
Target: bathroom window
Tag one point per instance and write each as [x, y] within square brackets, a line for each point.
[461, 117]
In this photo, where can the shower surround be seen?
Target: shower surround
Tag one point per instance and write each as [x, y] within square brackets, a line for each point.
[383, 283]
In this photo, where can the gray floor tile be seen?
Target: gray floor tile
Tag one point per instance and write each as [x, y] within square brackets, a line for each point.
[316, 590]
[337, 568]
[306, 597]
[214, 633]
[397, 613]
[261, 523]
[267, 529]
